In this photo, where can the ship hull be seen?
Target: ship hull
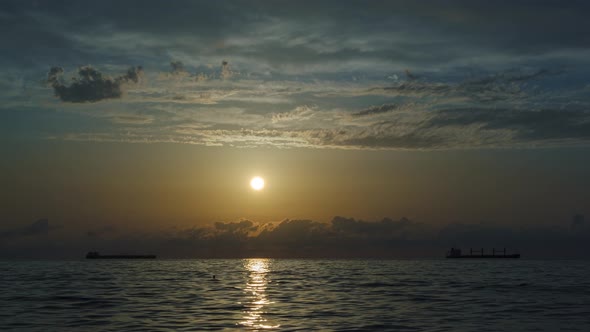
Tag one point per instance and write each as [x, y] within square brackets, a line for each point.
[486, 256]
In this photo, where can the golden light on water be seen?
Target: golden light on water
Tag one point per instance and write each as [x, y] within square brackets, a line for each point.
[255, 290]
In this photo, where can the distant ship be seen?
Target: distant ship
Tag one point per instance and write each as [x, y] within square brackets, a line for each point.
[456, 253]
[96, 255]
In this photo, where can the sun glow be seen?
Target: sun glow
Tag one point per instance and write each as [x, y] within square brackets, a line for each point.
[257, 183]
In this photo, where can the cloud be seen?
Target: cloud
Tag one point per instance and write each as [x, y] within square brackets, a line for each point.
[385, 227]
[241, 227]
[226, 72]
[90, 85]
[295, 232]
[461, 128]
[132, 119]
[177, 67]
[415, 88]
[292, 39]
[375, 110]
[526, 125]
[39, 227]
[503, 86]
[299, 113]
[507, 108]
[349, 237]
[409, 75]
[342, 237]
[201, 77]
[177, 73]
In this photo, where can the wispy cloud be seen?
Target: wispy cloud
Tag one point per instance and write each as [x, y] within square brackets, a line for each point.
[132, 119]
[375, 110]
[361, 78]
[299, 113]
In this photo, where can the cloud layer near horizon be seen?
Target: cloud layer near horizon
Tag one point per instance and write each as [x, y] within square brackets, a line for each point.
[341, 238]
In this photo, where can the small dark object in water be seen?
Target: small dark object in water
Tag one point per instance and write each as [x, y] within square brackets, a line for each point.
[96, 255]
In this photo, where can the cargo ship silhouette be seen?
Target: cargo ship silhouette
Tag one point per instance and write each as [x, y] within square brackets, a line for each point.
[456, 253]
[96, 255]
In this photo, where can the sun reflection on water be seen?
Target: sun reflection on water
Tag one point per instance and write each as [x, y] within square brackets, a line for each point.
[255, 292]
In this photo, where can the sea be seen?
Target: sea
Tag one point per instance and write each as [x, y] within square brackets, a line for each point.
[295, 294]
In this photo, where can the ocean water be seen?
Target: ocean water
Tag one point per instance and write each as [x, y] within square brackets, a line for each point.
[271, 294]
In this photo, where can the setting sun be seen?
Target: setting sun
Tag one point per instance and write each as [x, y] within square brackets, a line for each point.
[257, 183]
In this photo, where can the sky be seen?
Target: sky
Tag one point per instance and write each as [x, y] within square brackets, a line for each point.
[381, 128]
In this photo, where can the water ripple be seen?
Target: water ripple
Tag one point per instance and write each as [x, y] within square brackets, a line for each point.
[295, 295]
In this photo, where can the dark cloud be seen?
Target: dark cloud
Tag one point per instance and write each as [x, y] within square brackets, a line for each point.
[385, 227]
[226, 71]
[341, 238]
[527, 125]
[349, 237]
[416, 87]
[409, 74]
[39, 227]
[54, 75]
[177, 67]
[503, 86]
[391, 139]
[243, 227]
[515, 76]
[432, 34]
[90, 85]
[294, 232]
[375, 110]
[134, 74]
[446, 99]
[471, 127]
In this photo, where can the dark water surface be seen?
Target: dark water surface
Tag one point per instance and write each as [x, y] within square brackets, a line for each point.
[257, 294]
